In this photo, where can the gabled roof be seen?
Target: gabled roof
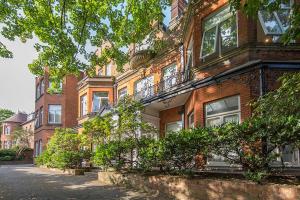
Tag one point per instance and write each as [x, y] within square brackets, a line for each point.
[18, 118]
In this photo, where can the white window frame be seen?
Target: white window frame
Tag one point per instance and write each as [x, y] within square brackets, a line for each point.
[216, 26]
[83, 106]
[54, 122]
[100, 100]
[148, 91]
[191, 116]
[283, 30]
[120, 95]
[108, 69]
[170, 123]
[221, 115]
[171, 78]
[293, 163]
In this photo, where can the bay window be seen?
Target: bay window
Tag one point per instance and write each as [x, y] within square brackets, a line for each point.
[100, 99]
[54, 116]
[169, 76]
[144, 87]
[277, 22]
[83, 105]
[219, 33]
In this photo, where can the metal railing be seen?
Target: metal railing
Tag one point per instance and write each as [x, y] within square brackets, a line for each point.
[165, 85]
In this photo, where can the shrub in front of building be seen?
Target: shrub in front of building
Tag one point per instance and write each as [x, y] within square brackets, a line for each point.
[65, 150]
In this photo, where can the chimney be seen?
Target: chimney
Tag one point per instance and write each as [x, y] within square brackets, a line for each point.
[177, 9]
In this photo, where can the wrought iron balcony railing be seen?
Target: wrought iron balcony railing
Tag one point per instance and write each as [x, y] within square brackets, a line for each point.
[165, 85]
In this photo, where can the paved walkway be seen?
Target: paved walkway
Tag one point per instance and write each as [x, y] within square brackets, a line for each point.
[25, 182]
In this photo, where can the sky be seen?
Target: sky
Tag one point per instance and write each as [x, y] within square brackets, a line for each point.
[17, 89]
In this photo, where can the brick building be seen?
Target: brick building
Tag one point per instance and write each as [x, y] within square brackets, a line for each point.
[55, 109]
[218, 62]
[13, 123]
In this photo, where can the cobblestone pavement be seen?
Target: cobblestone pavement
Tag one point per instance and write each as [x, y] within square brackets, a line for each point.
[26, 182]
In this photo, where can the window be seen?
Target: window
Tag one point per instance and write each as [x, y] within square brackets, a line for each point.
[144, 87]
[220, 33]
[41, 113]
[276, 23]
[122, 92]
[83, 105]
[56, 90]
[54, 116]
[108, 70]
[40, 147]
[36, 148]
[169, 76]
[223, 111]
[100, 72]
[189, 60]
[191, 123]
[100, 99]
[37, 91]
[220, 112]
[173, 126]
[7, 130]
[37, 119]
[42, 86]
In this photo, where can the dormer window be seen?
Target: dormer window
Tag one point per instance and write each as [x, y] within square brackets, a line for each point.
[219, 33]
[277, 22]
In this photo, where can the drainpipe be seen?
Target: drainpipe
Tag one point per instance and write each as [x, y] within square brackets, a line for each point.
[115, 93]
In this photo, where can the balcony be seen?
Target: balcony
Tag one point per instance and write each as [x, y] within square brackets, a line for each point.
[163, 87]
[95, 81]
[141, 54]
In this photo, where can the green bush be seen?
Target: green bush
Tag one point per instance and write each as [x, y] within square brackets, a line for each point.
[7, 152]
[7, 158]
[66, 149]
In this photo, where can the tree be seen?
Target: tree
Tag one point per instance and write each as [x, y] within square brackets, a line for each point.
[23, 139]
[251, 8]
[98, 129]
[68, 28]
[4, 114]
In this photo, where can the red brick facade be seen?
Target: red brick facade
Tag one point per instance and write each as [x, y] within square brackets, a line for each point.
[67, 99]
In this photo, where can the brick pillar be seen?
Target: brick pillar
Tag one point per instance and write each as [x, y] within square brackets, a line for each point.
[177, 8]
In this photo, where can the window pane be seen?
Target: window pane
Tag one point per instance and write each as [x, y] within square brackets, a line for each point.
[144, 87]
[222, 15]
[270, 23]
[283, 16]
[169, 76]
[213, 122]
[108, 70]
[54, 114]
[122, 92]
[209, 42]
[224, 105]
[231, 119]
[83, 105]
[98, 99]
[228, 33]
[174, 126]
